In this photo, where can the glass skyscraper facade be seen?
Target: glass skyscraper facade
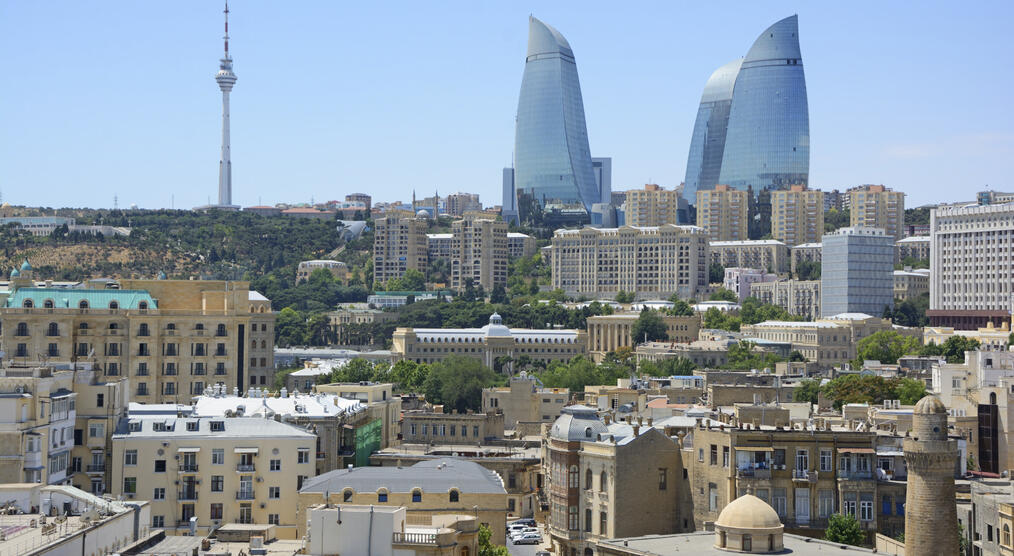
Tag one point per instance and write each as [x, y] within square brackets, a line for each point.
[552, 160]
[753, 124]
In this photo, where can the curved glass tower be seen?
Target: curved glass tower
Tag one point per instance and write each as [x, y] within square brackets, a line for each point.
[765, 142]
[552, 161]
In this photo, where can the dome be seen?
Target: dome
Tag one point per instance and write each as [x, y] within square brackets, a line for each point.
[496, 327]
[930, 404]
[423, 213]
[161, 275]
[26, 265]
[15, 273]
[576, 423]
[748, 512]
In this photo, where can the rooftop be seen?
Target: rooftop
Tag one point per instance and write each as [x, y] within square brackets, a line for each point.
[232, 427]
[434, 476]
[703, 542]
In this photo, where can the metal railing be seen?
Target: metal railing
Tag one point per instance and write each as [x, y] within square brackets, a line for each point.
[244, 495]
[96, 468]
[188, 468]
[414, 538]
[246, 467]
[188, 495]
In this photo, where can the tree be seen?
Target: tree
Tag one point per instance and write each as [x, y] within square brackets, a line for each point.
[885, 346]
[797, 357]
[723, 294]
[649, 327]
[953, 349]
[909, 391]
[676, 366]
[624, 297]
[808, 270]
[745, 356]
[356, 370]
[716, 273]
[498, 295]
[834, 219]
[844, 529]
[911, 312]
[457, 383]
[807, 391]
[486, 548]
[715, 318]
[575, 375]
[408, 375]
[680, 308]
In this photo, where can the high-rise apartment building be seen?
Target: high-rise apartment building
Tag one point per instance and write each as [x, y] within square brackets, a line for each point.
[520, 245]
[723, 213]
[653, 206]
[738, 139]
[875, 206]
[971, 265]
[651, 262]
[552, 160]
[399, 244]
[478, 253]
[170, 338]
[457, 204]
[857, 272]
[797, 215]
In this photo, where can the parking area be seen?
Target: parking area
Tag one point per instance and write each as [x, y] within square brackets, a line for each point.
[529, 549]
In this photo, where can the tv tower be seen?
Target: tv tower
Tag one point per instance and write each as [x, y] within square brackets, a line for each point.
[226, 79]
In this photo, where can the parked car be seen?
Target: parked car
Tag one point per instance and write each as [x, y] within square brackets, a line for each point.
[528, 538]
[543, 553]
[523, 532]
[529, 521]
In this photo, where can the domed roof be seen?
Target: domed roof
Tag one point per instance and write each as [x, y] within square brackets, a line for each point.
[423, 213]
[577, 422]
[15, 273]
[930, 404]
[496, 327]
[748, 512]
[26, 265]
[161, 275]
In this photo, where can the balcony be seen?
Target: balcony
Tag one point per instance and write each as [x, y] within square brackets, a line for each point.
[246, 468]
[244, 495]
[855, 475]
[96, 468]
[189, 495]
[414, 538]
[804, 475]
[188, 468]
[321, 455]
[753, 473]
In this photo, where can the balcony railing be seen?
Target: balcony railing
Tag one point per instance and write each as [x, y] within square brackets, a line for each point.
[187, 495]
[804, 475]
[188, 468]
[246, 467]
[96, 468]
[855, 475]
[244, 495]
[414, 538]
[753, 473]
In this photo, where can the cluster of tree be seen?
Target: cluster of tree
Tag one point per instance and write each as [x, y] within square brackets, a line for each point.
[580, 371]
[808, 270]
[887, 346]
[716, 273]
[745, 356]
[912, 262]
[751, 311]
[723, 294]
[855, 388]
[834, 219]
[911, 312]
[526, 274]
[320, 293]
[673, 366]
[412, 281]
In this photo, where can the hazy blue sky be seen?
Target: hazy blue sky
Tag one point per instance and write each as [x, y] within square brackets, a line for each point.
[118, 98]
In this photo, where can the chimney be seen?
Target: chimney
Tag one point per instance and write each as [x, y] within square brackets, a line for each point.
[637, 429]
[606, 419]
[650, 421]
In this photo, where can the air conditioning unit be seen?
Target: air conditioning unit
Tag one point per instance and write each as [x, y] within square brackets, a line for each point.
[263, 505]
[260, 479]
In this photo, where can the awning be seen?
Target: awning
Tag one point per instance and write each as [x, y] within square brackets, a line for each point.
[247, 450]
[754, 448]
[856, 451]
[188, 450]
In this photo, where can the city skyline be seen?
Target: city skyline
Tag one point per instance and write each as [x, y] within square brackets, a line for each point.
[141, 125]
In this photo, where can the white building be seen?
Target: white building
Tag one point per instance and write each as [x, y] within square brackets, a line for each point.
[738, 280]
[386, 531]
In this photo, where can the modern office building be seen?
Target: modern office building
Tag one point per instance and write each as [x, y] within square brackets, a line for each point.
[857, 272]
[723, 212]
[651, 262]
[509, 204]
[876, 206]
[654, 206]
[478, 253]
[399, 244]
[797, 215]
[971, 265]
[603, 169]
[753, 126]
[552, 161]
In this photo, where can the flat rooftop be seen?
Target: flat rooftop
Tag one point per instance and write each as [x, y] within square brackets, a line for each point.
[703, 542]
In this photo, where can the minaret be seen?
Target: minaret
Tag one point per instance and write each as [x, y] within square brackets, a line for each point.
[931, 516]
[226, 79]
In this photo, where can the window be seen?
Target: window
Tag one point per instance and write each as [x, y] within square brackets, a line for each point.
[142, 330]
[712, 497]
[587, 520]
[54, 329]
[662, 478]
[885, 505]
[157, 521]
[382, 496]
[802, 460]
[825, 503]
[1006, 534]
[130, 457]
[747, 543]
[825, 459]
[276, 492]
[603, 481]
[275, 465]
[416, 495]
[114, 305]
[778, 497]
[130, 485]
[216, 511]
[245, 513]
[574, 477]
[192, 426]
[725, 456]
[453, 496]
[303, 456]
[158, 494]
[217, 483]
[603, 522]
[588, 479]
[160, 466]
[866, 510]
[299, 481]
[217, 426]
[272, 519]
[700, 454]
[714, 455]
[572, 518]
[96, 430]
[217, 456]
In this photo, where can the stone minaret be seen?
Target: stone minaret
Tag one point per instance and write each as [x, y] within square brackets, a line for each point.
[931, 517]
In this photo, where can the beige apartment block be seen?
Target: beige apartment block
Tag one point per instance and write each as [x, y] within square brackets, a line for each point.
[525, 401]
[797, 215]
[724, 213]
[439, 246]
[101, 402]
[381, 404]
[876, 206]
[494, 344]
[917, 247]
[520, 245]
[170, 338]
[37, 420]
[217, 470]
[431, 488]
[338, 269]
[451, 428]
[650, 262]
[457, 204]
[799, 297]
[703, 353]
[765, 254]
[600, 478]
[829, 341]
[610, 332]
[652, 206]
[399, 244]
[349, 316]
[910, 284]
[805, 252]
[478, 253]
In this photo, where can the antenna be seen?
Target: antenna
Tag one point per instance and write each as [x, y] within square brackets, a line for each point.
[226, 37]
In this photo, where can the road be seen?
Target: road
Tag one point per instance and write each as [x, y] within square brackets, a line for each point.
[528, 549]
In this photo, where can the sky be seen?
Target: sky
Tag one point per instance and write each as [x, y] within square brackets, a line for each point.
[117, 99]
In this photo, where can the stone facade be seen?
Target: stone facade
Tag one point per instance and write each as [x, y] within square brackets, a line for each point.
[765, 254]
[799, 297]
[610, 332]
[525, 400]
[37, 409]
[723, 213]
[806, 252]
[451, 428]
[520, 245]
[797, 215]
[652, 206]
[478, 253]
[876, 206]
[931, 521]
[399, 244]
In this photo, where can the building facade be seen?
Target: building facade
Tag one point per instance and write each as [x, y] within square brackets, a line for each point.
[520, 245]
[653, 262]
[399, 244]
[525, 401]
[478, 253]
[457, 204]
[800, 298]
[610, 332]
[101, 403]
[857, 269]
[653, 206]
[37, 409]
[797, 215]
[767, 254]
[915, 247]
[971, 265]
[451, 428]
[740, 281]
[876, 206]
[827, 341]
[338, 270]
[806, 252]
[724, 213]
[910, 284]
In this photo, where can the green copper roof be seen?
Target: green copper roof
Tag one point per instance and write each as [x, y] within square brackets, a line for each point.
[64, 298]
[25, 265]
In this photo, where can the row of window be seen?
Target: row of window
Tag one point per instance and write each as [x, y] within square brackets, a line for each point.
[245, 515]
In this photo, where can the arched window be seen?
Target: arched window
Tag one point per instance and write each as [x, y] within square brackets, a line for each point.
[587, 432]
[83, 326]
[382, 496]
[142, 330]
[453, 495]
[28, 304]
[54, 329]
[464, 550]
[1006, 534]
[143, 305]
[588, 479]
[114, 326]
[22, 329]
[199, 326]
[114, 304]
[171, 326]
[992, 398]
[83, 304]
[221, 330]
[253, 343]
[347, 495]
[416, 495]
[588, 552]
[603, 481]
[575, 477]
[48, 304]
